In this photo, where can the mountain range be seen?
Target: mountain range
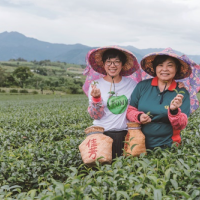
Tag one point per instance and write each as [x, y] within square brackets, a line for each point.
[15, 45]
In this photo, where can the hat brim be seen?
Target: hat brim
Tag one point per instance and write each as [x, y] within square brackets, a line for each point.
[147, 66]
[95, 60]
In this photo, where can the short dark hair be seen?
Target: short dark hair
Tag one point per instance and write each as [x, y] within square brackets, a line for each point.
[162, 58]
[113, 53]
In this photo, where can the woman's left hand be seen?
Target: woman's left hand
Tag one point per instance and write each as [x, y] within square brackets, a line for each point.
[181, 85]
[176, 102]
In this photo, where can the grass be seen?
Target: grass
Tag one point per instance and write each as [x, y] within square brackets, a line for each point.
[45, 92]
[198, 96]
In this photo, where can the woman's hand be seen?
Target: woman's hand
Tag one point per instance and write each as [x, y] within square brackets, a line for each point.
[144, 118]
[181, 85]
[176, 102]
[95, 92]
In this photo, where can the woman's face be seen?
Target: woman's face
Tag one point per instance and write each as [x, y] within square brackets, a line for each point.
[113, 66]
[166, 71]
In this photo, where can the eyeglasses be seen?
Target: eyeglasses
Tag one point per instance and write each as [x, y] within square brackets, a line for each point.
[116, 62]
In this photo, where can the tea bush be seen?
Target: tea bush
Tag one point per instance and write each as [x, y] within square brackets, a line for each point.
[39, 156]
[23, 91]
[35, 92]
[2, 91]
[13, 91]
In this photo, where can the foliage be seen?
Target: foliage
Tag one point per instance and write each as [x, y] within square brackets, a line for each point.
[95, 82]
[40, 159]
[2, 76]
[83, 66]
[13, 91]
[48, 75]
[22, 73]
[41, 71]
[23, 91]
[19, 59]
[9, 81]
[2, 91]
[35, 92]
[180, 92]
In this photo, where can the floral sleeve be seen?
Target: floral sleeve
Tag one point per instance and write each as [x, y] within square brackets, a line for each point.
[96, 108]
[132, 114]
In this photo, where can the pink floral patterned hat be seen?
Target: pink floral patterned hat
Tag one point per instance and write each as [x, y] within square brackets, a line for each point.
[147, 66]
[95, 60]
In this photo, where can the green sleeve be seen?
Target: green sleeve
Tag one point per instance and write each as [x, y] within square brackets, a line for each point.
[135, 96]
[185, 107]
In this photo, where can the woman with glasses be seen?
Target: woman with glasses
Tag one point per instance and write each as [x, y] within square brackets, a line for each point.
[109, 96]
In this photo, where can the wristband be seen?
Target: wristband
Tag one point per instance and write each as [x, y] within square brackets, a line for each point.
[96, 99]
[174, 112]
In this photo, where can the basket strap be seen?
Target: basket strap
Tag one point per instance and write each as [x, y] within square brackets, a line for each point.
[96, 132]
[134, 128]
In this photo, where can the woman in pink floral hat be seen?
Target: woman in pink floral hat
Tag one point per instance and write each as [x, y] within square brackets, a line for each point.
[109, 96]
[158, 104]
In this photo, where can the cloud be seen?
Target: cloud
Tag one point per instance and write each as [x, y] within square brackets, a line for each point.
[141, 23]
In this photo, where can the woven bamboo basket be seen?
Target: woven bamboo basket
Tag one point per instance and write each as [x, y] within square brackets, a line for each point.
[96, 145]
[134, 140]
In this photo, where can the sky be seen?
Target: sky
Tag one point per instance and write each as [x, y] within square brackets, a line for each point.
[139, 23]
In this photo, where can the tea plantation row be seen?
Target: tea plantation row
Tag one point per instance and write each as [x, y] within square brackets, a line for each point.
[39, 156]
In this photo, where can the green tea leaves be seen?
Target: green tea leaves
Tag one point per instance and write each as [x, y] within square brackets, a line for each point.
[133, 146]
[176, 91]
[95, 82]
[149, 114]
[48, 164]
[111, 92]
[180, 92]
[174, 183]
[157, 194]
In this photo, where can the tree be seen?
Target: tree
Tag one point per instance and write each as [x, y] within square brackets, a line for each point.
[2, 76]
[83, 66]
[10, 81]
[78, 82]
[74, 88]
[41, 71]
[34, 82]
[42, 87]
[22, 74]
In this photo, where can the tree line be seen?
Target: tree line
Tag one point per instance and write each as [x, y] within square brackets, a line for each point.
[42, 79]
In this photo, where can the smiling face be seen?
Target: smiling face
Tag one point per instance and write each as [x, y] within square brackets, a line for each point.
[166, 71]
[113, 67]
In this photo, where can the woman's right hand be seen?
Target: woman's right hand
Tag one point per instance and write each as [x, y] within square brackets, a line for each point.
[144, 118]
[95, 92]
[176, 102]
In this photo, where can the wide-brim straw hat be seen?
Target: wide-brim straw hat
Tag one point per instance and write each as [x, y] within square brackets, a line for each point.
[95, 60]
[147, 65]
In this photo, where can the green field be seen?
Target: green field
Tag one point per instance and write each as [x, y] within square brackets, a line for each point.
[198, 95]
[39, 156]
[10, 66]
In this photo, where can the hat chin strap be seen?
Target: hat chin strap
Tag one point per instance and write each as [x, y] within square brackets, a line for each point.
[111, 85]
[111, 76]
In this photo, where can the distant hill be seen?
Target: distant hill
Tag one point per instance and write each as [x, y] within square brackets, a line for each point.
[14, 45]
